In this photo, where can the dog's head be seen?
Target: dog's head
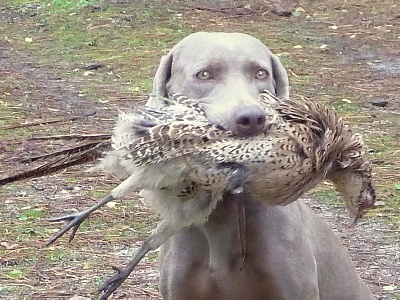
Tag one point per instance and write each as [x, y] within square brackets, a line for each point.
[225, 72]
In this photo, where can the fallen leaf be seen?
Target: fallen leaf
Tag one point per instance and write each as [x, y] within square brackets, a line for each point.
[76, 297]
[111, 204]
[296, 14]
[86, 265]
[8, 246]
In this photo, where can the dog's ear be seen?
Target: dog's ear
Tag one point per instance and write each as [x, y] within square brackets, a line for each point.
[161, 78]
[281, 80]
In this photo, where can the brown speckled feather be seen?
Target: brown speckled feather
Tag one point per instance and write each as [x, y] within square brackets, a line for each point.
[176, 149]
[303, 143]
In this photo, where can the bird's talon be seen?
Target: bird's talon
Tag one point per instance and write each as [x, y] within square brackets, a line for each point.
[74, 222]
[59, 219]
[112, 284]
[116, 269]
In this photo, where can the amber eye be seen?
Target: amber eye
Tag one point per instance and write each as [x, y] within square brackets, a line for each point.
[204, 75]
[262, 74]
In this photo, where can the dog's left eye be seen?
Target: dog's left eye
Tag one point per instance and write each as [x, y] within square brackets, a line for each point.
[262, 74]
[204, 75]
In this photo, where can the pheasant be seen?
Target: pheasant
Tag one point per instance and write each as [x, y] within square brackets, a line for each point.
[184, 165]
[303, 143]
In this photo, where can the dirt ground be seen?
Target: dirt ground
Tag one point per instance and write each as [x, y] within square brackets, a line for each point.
[344, 53]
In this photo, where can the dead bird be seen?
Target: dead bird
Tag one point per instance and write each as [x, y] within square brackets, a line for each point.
[184, 165]
[308, 143]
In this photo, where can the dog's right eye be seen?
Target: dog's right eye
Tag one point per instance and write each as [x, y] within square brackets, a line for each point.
[262, 74]
[204, 75]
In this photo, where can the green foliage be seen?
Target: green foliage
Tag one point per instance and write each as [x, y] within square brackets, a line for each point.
[64, 6]
[57, 255]
[328, 196]
[15, 273]
[97, 281]
[98, 194]
[346, 107]
[31, 214]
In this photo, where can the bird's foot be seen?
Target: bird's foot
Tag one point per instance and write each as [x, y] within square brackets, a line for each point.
[111, 284]
[75, 220]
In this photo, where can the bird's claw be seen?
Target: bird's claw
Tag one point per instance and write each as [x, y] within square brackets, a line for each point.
[111, 284]
[74, 221]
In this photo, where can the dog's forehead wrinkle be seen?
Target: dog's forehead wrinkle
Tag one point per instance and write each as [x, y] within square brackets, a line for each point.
[221, 38]
[255, 64]
[218, 59]
[228, 46]
[217, 55]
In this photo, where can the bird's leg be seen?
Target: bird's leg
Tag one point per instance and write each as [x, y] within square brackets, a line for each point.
[228, 176]
[162, 232]
[75, 220]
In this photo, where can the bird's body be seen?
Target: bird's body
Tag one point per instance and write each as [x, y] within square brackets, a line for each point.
[175, 153]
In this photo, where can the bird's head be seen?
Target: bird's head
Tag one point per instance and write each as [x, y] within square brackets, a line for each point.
[354, 183]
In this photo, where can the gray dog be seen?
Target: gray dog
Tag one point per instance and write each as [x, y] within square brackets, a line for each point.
[225, 72]
[247, 250]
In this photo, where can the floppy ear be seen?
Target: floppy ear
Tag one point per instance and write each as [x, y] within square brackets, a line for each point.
[281, 80]
[161, 78]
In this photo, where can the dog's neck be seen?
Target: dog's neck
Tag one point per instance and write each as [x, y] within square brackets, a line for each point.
[225, 232]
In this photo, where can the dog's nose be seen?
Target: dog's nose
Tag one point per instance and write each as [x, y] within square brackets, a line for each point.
[249, 119]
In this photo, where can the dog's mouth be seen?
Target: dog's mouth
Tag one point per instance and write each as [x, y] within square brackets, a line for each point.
[239, 131]
[241, 120]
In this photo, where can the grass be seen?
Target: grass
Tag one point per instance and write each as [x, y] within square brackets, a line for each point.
[62, 41]
[98, 194]
[328, 196]
[63, 6]
[15, 274]
[53, 6]
[57, 255]
[31, 214]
